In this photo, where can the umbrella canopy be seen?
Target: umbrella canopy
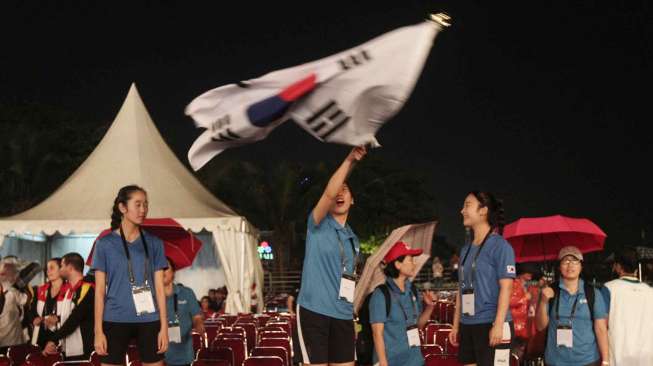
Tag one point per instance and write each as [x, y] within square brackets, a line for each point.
[418, 236]
[180, 246]
[541, 238]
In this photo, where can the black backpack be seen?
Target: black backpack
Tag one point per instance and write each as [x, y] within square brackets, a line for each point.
[365, 340]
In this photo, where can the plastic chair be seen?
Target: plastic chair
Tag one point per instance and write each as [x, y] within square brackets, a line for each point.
[271, 342]
[216, 354]
[238, 346]
[264, 361]
[272, 351]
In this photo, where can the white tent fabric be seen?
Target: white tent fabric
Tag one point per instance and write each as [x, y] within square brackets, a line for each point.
[133, 152]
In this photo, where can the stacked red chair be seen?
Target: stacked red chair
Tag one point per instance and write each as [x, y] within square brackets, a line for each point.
[216, 354]
[17, 354]
[39, 359]
[271, 342]
[272, 351]
[237, 345]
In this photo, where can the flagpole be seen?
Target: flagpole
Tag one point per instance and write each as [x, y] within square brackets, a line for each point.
[441, 18]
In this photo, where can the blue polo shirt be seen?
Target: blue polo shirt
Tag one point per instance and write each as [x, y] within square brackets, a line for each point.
[495, 262]
[109, 257]
[585, 349]
[187, 307]
[394, 326]
[323, 268]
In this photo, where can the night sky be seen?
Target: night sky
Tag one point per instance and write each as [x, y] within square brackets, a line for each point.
[546, 105]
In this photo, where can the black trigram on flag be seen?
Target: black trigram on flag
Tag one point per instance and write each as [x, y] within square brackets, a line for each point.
[226, 135]
[327, 120]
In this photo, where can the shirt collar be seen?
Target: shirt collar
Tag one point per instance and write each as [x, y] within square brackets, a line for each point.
[581, 286]
[629, 279]
[393, 285]
[344, 230]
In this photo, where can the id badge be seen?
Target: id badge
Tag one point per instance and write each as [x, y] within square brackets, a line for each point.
[506, 336]
[413, 336]
[468, 302]
[565, 336]
[347, 287]
[174, 333]
[502, 357]
[143, 300]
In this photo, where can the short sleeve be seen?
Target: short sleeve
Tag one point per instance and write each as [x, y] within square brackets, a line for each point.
[504, 260]
[100, 257]
[159, 258]
[600, 305]
[191, 300]
[311, 225]
[377, 307]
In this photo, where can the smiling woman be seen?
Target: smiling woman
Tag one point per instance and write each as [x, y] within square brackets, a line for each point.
[129, 263]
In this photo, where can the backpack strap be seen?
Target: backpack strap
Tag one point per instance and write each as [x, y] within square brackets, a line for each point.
[388, 301]
[591, 298]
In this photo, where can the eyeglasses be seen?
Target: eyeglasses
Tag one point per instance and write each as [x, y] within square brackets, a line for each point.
[570, 261]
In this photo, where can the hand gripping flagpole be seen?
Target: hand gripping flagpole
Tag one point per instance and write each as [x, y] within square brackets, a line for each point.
[441, 18]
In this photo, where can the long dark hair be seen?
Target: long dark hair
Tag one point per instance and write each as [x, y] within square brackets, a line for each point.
[495, 213]
[124, 194]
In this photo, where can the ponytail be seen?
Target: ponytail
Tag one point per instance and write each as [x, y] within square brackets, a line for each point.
[124, 194]
[496, 214]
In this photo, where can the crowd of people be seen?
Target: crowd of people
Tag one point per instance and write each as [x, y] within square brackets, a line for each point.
[500, 308]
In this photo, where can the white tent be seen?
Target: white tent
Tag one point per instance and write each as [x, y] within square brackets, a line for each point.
[133, 152]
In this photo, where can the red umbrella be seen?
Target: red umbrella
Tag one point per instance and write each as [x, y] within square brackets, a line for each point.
[180, 246]
[541, 238]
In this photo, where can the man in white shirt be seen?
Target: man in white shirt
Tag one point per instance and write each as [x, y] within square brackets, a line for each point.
[630, 321]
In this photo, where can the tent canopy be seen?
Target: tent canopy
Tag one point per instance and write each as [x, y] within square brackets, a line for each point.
[133, 152]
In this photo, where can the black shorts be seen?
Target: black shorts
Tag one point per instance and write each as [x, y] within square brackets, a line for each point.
[119, 335]
[475, 344]
[323, 339]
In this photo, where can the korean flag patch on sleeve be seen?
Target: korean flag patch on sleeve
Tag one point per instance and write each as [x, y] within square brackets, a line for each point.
[511, 269]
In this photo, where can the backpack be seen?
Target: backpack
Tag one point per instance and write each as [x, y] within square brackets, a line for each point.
[365, 340]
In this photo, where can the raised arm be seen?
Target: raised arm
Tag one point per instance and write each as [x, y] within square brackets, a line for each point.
[335, 184]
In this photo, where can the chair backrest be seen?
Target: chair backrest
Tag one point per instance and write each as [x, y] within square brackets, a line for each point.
[269, 334]
[233, 330]
[432, 349]
[198, 341]
[264, 361]
[211, 330]
[132, 353]
[17, 354]
[228, 320]
[272, 351]
[5, 361]
[238, 346]
[95, 359]
[39, 359]
[251, 332]
[262, 319]
[442, 338]
[211, 363]
[271, 329]
[272, 342]
[215, 354]
[431, 329]
[283, 325]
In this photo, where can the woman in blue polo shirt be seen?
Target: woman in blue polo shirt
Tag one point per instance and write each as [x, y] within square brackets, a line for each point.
[325, 304]
[184, 315]
[395, 333]
[482, 323]
[572, 338]
[129, 296]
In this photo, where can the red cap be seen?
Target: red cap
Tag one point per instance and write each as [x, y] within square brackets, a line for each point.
[400, 248]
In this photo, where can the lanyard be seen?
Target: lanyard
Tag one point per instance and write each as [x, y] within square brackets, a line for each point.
[462, 267]
[342, 254]
[395, 296]
[132, 280]
[573, 309]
